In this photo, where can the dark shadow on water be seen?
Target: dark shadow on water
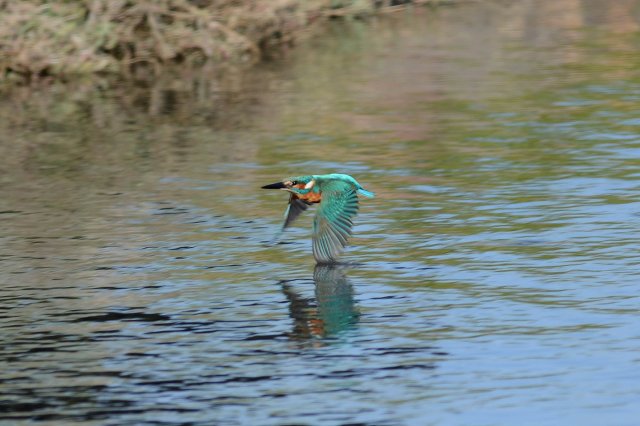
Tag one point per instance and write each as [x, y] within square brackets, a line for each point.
[329, 313]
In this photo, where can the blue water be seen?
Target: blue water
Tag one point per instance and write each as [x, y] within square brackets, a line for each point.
[492, 281]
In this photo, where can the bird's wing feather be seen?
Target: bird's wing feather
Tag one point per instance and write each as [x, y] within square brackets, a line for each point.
[295, 207]
[333, 222]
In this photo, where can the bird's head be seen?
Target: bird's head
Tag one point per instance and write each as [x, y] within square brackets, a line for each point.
[293, 184]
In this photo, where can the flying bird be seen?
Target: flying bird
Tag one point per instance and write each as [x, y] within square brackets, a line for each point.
[337, 195]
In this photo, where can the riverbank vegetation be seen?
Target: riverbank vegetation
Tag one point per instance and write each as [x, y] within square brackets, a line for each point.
[63, 38]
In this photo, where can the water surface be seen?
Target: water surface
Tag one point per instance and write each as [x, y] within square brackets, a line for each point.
[493, 280]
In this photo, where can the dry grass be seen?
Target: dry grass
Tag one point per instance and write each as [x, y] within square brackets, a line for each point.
[68, 37]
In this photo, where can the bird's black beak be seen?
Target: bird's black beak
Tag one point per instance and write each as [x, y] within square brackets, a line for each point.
[277, 185]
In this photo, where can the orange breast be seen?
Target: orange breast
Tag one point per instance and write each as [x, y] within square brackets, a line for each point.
[310, 197]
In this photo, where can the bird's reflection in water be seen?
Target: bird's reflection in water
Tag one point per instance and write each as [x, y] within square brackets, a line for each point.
[328, 314]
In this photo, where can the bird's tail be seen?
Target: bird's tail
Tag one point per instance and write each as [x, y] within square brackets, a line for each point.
[366, 193]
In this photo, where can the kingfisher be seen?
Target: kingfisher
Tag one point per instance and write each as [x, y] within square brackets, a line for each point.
[337, 195]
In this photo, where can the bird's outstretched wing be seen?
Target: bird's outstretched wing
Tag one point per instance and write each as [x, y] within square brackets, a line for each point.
[333, 222]
[295, 207]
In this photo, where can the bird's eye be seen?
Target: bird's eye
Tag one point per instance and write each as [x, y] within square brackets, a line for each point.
[294, 182]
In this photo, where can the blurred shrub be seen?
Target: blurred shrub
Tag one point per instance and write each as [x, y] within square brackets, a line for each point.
[63, 37]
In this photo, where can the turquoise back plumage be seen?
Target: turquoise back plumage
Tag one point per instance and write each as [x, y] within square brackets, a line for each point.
[334, 219]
